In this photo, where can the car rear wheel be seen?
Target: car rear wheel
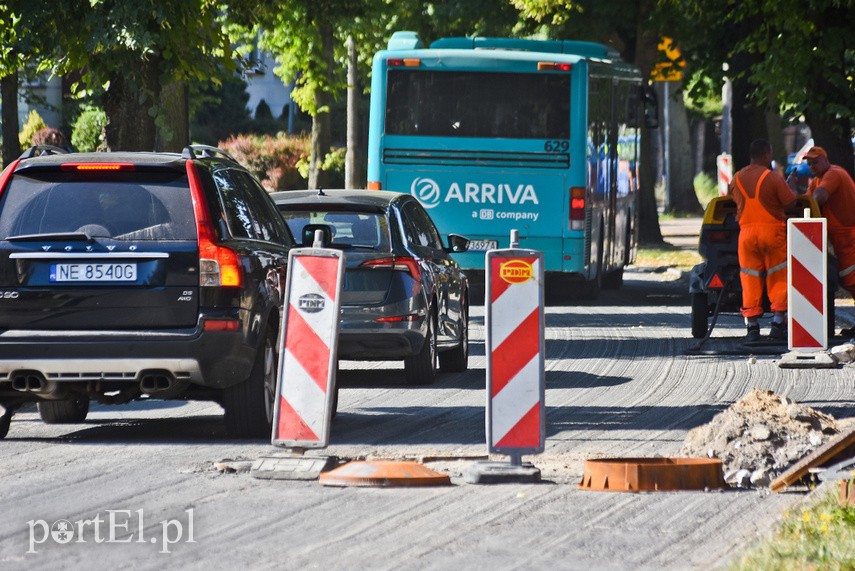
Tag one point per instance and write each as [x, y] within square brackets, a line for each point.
[457, 360]
[249, 405]
[5, 422]
[420, 369]
[700, 315]
[64, 411]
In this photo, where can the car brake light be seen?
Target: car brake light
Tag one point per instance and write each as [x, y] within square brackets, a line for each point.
[398, 318]
[218, 265]
[715, 282]
[102, 167]
[577, 208]
[375, 185]
[221, 325]
[401, 263]
[552, 66]
[7, 174]
[719, 236]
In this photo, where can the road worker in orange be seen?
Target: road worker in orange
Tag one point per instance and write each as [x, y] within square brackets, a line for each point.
[762, 198]
[834, 192]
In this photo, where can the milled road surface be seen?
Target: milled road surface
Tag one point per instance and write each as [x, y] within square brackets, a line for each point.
[618, 384]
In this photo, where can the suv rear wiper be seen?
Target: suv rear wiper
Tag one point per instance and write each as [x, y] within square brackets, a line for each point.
[71, 236]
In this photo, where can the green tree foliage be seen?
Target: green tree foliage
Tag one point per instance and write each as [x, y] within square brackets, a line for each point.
[34, 123]
[797, 56]
[87, 134]
[129, 49]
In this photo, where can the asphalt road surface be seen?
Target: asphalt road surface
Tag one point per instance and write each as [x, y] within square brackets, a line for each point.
[619, 384]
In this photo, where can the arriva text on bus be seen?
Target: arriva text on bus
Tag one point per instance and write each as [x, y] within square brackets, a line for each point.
[429, 193]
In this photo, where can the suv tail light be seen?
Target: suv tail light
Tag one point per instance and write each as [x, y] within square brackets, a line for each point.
[577, 208]
[374, 185]
[103, 167]
[401, 263]
[218, 265]
[7, 174]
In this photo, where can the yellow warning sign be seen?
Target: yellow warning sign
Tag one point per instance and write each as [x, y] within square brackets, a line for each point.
[671, 63]
[516, 271]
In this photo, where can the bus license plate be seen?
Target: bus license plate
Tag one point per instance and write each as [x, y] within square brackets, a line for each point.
[482, 245]
[112, 272]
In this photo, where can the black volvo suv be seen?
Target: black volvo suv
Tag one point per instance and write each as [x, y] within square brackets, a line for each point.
[139, 275]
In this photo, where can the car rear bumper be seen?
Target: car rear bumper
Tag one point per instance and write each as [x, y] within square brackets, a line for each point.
[211, 359]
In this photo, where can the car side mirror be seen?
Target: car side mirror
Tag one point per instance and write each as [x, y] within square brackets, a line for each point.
[457, 243]
[308, 238]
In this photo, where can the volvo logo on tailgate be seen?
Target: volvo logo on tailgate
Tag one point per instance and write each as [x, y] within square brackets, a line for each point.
[310, 303]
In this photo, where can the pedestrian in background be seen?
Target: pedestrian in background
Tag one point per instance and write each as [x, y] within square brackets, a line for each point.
[762, 198]
[834, 192]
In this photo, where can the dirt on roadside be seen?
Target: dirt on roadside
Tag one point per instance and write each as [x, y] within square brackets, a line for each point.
[760, 436]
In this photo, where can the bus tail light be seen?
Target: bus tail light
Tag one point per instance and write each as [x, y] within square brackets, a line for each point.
[577, 208]
[401, 263]
[403, 62]
[218, 265]
[374, 185]
[552, 66]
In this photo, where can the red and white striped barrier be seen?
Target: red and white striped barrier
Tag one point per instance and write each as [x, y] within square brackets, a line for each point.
[306, 383]
[724, 167]
[807, 277]
[516, 417]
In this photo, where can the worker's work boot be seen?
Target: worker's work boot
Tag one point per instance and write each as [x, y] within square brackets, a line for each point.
[753, 334]
[778, 331]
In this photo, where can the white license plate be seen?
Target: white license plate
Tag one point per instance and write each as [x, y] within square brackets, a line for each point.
[113, 272]
[482, 245]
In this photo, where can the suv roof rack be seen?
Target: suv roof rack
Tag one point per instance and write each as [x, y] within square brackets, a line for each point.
[38, 150]
[190, 152]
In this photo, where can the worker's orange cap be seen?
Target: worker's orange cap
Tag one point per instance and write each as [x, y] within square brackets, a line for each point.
[815, 153]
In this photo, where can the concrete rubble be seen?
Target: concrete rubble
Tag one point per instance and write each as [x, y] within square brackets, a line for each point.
[759, 437]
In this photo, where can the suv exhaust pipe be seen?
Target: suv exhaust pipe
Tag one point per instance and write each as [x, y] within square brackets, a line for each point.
[156, 382]
[35, 382]
[29, 381]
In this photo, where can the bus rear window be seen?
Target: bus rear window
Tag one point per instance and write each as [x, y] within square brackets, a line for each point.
[478, 104]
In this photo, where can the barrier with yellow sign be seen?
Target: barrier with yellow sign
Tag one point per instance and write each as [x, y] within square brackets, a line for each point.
[516, 416]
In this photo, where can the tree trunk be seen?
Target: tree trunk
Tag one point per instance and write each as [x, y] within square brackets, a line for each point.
[647, 41]
[683, 198]
[130, 122]
[749, 121]
[321, 135]
[9, 97]
[173, 126]
[352, 161]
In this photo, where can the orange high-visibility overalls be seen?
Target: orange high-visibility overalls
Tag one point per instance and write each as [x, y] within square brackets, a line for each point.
[762, 254]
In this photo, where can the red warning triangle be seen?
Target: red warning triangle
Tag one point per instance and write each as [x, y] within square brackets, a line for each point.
[715, 282]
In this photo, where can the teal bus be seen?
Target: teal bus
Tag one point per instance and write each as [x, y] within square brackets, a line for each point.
[495, 134]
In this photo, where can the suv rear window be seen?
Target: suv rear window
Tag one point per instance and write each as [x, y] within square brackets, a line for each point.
[132, 206]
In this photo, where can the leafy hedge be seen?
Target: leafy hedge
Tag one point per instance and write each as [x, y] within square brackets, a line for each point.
[280, 161]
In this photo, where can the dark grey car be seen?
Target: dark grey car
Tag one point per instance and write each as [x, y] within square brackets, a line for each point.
[404, 297]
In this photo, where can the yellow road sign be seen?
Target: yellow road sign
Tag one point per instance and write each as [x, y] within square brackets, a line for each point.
[672, 68]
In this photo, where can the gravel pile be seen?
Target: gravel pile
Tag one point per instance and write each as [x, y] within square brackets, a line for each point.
[759, 437]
